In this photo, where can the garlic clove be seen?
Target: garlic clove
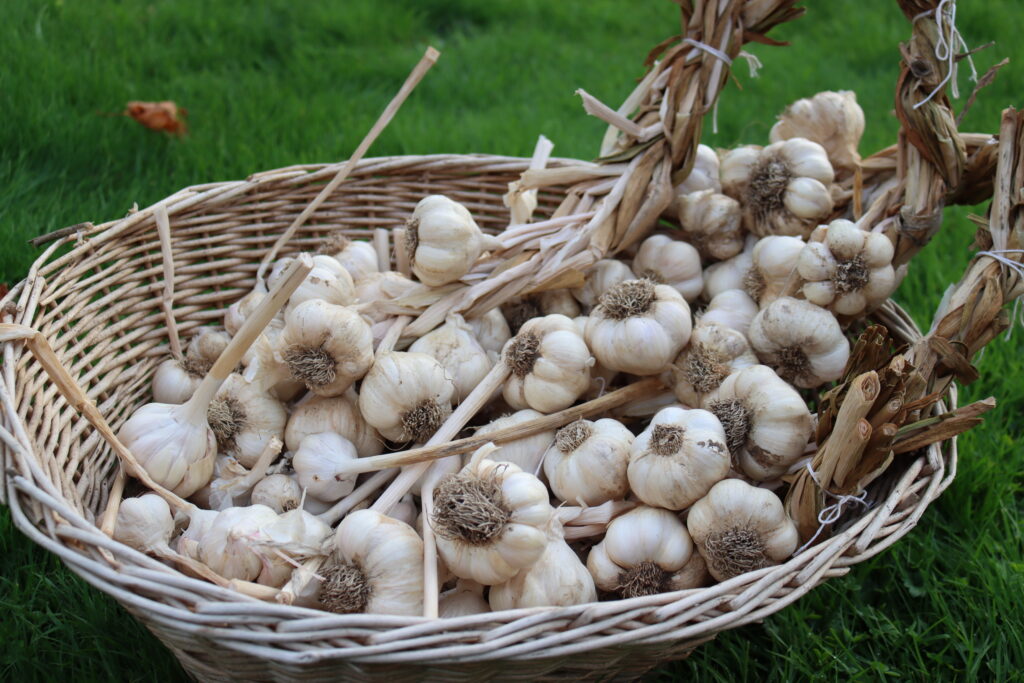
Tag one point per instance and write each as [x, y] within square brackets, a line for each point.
[807, 198]
[732, 308]
[557, 579]
[358, 257]
[492, 332]
[806, 159]
[736, 167]
[463, 600]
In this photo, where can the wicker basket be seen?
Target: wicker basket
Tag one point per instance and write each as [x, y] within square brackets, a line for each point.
[99, 303]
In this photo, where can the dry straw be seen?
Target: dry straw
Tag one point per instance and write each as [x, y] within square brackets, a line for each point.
[98, 316]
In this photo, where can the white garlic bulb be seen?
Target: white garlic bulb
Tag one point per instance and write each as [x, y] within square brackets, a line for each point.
[338, 414]
[491, 331]
[550, 365]
[767, 424]
[730, 273]
[229, 545]
[801, 341]
[847, 270]
[326, 347]
[175, 380]
[279, 492]
[145, 523]
[712, 223]
[526, 452]
[645, 551]
[490, 520]
[601, 277]
[738, 528]
[406, 396]
[239, 311]
[587, 463]
[244, 419]
[557, 579]
[465, 599]
[358, 257]
[639, 327]
[834, 120]
[732, 308]
[328, 281]
[443, 241]
[714, 352]
[377, 288]
[320, 466]
[666, 261]
[374, 568]
[678, 458]
[294, 537]
[784, 189]
[703, 176]
[455, 347]
[774, 263]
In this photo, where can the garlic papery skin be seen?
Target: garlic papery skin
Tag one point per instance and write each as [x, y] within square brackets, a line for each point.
[527, 452]
[175, 380]
[381, 287]
[550, 365]
[374, 568]
[145, 523]
[730, 273]
[586, 465]
[465, 599]
[834, 120]
[666, 261]
[601, 277]
[767, 424]
[279, 492]
[328, 281]
[557, 579]
[491, 331]
[228, 546]
[847, 270]
[784, 189]
[738, 528]
[714, 352]
[358, 257]
[639, 327]
[406, 396]
[490, 521]
[293, 537]
[443, 241]
[678, 458]
[802, 342]
[774, 263]
[453, 346]
[338, 414]
[244, 419]
[703, 175]
[320, 466]
[712, 223]
[326, 347]
[732, 308]
[645, 551]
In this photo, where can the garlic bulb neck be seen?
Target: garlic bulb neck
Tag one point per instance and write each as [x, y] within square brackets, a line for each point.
[313, 366]
[646, 578]
[735, 550]
[522, 352]
[469, 508]
[346, 589]
[754, 284]
[628, 299]
[572, 436]
[736, 418]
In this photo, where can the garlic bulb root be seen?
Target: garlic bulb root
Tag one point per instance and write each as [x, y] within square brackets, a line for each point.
[714, 352]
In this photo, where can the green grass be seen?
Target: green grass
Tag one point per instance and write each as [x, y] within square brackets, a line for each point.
[274, 83]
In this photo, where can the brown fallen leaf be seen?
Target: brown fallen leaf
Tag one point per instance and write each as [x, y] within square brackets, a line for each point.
[160, 116]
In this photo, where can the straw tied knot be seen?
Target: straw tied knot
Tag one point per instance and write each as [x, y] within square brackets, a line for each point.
[831, 513]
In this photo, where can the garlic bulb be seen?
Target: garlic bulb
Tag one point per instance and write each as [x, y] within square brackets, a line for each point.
[666, 261]
[774, 262]
[490, 520]
[645, 551]
[834, 120]
[491, 331]
[374, 567]
[526, 452]
[232, 482]
[703, 176]
[145, 523]
[550, 365]
[557, 579]
[712, 223]
[406, 396]
[453, 346]
[586, 465]
[601, 277]
[328, 281]
[465, 599]
[738, 528]
[293, 537]
[767, 425]
[338, 414]
[175, 380]
[678, 458]
[377, 288]
[847, 270]
[279, 492]
[732, 308]
[784, 188]
[801, 341]
[264, 368]
[244, 418]
[239, 311]
[730, 273]
[199, 522]
[326, 347]
[443, 241]
[358, 257]
[229, 547]
[319, 465]
[714, 352]
[639, 327]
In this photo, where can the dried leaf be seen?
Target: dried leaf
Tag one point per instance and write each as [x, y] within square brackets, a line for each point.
[164, 116]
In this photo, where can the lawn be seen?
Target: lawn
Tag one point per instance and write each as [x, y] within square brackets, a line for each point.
[274, 83]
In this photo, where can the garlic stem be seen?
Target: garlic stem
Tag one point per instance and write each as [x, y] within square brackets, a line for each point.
[113, 502]
[163, 230]
[431, 595]
[596, 514]
[334, 514]
[393, 334]
[266, 459]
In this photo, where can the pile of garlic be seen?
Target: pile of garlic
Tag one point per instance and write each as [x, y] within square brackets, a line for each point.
[739, 308]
